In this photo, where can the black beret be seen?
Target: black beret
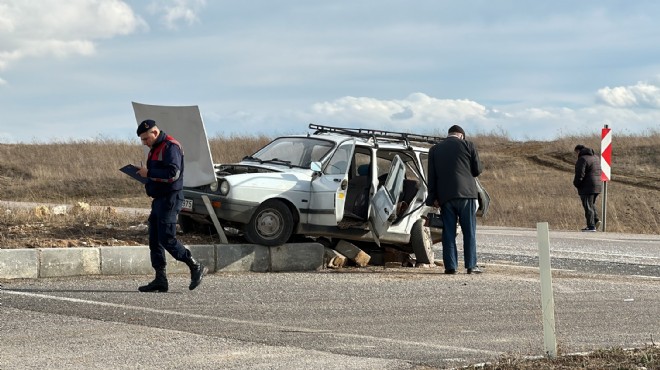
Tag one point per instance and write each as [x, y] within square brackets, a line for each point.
[456, 128]
[145, 126]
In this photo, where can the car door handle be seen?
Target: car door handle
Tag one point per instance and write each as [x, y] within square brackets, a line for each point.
[336, 180]
[387, 211]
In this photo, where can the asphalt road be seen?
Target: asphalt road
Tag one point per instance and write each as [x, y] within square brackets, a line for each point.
[372, 318]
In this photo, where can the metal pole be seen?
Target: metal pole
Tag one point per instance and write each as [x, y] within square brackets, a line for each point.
[604, 206]
[214, 218]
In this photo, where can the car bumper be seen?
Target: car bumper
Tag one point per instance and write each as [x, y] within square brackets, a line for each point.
[225, 209]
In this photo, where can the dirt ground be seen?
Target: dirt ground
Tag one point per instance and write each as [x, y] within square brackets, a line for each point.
[45, 227]
[41, 235]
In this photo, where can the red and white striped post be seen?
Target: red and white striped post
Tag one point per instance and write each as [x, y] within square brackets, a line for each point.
[606, 167]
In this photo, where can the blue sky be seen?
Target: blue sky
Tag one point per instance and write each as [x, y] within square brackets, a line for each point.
[527, 69]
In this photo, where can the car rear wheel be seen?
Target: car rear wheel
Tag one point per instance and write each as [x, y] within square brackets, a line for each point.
[271, 224]
[420, 241]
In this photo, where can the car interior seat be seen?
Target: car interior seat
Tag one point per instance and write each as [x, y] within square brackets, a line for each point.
[410, 189]
[357, 194]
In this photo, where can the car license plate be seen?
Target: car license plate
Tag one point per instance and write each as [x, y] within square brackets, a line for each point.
[187, 205]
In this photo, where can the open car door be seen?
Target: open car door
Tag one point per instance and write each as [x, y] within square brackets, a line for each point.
[383, 205]
[484, 199]
[328, 192]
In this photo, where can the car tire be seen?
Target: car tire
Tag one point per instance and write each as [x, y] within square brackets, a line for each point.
[270, 225]
[420, 241]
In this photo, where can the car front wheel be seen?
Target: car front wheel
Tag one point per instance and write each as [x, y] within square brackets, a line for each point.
[271, 224]
[420, 240]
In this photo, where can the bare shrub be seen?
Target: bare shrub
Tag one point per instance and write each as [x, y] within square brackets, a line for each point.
[529, 182]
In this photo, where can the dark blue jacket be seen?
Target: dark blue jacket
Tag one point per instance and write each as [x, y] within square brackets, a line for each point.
[587, 173]
[165, 167]
[453, 165]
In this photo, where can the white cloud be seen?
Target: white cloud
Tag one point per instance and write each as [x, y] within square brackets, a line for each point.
[175, 11]
[415, 110]
[424, 114]
[643, 94]
[60, 28]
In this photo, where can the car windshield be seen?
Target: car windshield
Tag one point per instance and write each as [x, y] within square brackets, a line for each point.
[293, 151]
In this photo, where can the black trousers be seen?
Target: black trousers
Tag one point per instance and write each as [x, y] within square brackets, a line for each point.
[162, 230]
[589, 205]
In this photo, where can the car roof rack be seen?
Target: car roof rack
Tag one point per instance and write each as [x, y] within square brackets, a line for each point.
[375, 135]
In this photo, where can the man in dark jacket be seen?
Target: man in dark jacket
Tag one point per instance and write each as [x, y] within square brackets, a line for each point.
[453, 165]
[164, 173]
[588, 183]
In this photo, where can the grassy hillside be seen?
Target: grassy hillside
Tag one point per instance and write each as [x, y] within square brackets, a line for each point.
[529, 182]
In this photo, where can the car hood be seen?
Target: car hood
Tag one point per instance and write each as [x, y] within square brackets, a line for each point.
[185, 124]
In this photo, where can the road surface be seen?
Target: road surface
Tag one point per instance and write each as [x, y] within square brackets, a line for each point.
[371, 318]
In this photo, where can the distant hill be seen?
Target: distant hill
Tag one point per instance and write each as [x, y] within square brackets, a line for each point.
[528, 182]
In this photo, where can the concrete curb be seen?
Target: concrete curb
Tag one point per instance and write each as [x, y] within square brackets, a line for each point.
[134, 260]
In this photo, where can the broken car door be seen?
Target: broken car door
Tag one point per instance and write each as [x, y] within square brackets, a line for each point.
[383, 203]
[328, 191]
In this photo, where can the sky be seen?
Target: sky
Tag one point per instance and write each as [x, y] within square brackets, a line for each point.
[530, 70]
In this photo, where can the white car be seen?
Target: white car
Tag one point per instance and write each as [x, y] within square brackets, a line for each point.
[339, 183]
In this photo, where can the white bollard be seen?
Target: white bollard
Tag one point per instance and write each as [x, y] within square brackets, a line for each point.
[547, 300]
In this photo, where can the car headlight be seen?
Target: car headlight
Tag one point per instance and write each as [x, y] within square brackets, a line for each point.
[214, 186]
[224, 187]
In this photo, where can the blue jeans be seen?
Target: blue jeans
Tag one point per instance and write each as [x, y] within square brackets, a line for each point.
[465, 212]
[162, 230]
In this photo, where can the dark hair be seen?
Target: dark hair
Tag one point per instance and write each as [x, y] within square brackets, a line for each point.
[578, 147]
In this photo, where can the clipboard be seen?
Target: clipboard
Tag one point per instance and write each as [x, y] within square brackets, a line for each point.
[131, 171]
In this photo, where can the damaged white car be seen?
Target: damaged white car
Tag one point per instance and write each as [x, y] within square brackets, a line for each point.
[339, 183]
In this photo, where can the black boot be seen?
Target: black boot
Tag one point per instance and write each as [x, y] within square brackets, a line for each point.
[158, 285]
[197, 272]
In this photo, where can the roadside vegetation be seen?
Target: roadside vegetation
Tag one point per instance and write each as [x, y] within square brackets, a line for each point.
[528, 182]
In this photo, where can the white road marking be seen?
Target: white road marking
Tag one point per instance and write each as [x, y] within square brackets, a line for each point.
[255, 323]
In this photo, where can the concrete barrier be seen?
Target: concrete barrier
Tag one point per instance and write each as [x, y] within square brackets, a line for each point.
[135, 260]
[19, 264]
[205, 254]
[57, 262]
[132, 260]
[297, 257]
[242, 257]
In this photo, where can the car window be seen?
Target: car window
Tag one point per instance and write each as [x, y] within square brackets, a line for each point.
[361, 163]
[394, 182]
[297, 151]
[385, 162]
[339, 162]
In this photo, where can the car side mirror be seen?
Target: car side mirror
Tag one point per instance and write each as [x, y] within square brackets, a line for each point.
[316, 167]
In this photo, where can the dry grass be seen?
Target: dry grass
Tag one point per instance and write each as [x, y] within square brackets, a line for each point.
[609, 359]
[529, 182]
[67, 172]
